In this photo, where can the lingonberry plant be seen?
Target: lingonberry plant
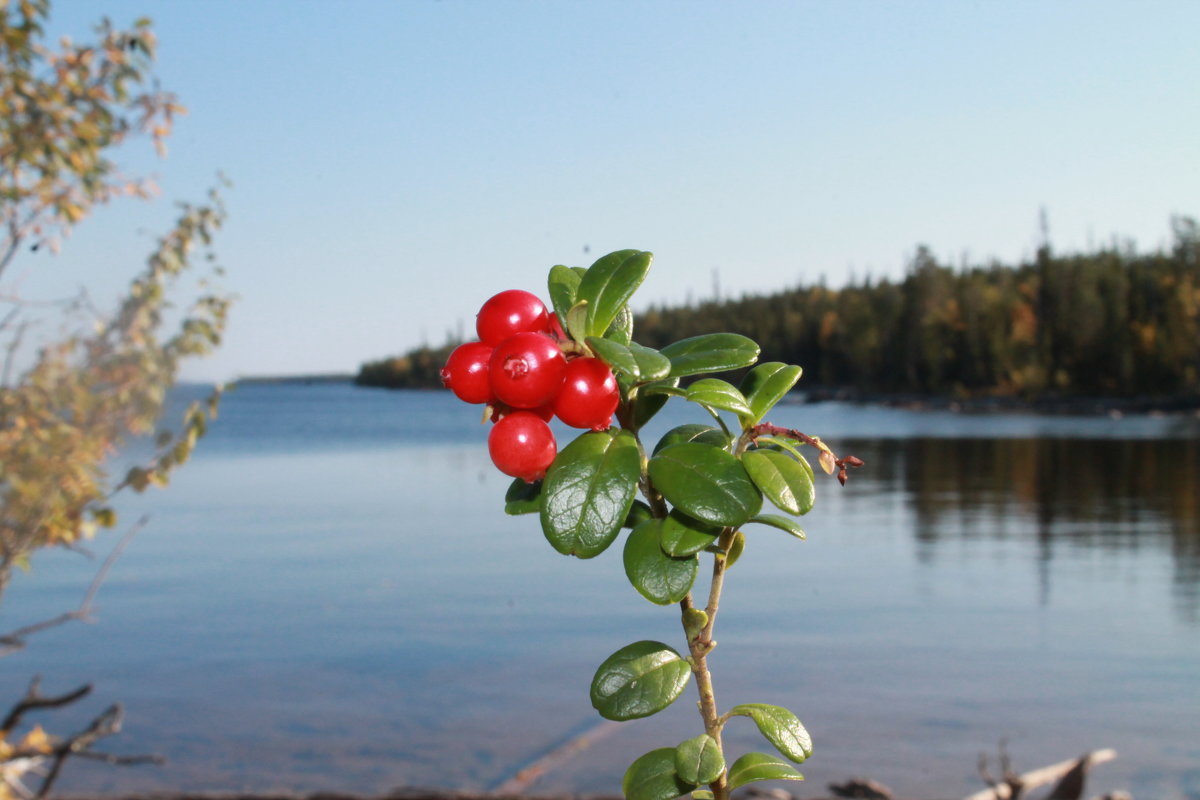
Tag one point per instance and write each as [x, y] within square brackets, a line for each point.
[700, 485]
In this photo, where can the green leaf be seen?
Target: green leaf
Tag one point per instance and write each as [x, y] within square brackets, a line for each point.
[699, 760]
[716, 393]
[615, 354]
[523, 498]
[649, 404]
[652, 364]
[639, 680]
[621, 329]
[608, 285]
[694, 620]
[657, 576]
[693, 432]
[576, 322]
[706, 483]
[761, 767]
[712, 352]
[736, 548]
[563, 284]
[653, 777]
[766, 385]
[785, 524]
[639, 512]
[782, 479]
[702, 794]
[780, 726]
[680, 535]
[588, 492]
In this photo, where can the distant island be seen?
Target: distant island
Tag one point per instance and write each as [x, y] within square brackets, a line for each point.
[1112, 323]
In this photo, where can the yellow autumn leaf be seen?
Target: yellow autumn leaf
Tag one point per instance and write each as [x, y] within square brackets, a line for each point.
[37, 740]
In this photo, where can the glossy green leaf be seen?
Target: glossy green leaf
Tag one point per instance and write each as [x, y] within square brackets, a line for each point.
[621, 329]
[658, 577]
[639, 512]
[639, 680]
[608, 285]
[786, 524]
[680, 535]
[711, 352]
[693, 432]
[588, 492]
[648, 404]
[736, 548]
[783, 479]
[699, 760]
[719, 394]
[780, 727]
[767, 384]
[576, 322]
[563, 285]
[653, 777]
[615, 354]
[652, 364]
[706, 483]
[523, 498]
[761, 767]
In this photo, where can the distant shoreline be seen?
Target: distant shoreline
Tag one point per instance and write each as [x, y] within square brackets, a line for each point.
[1061, 405]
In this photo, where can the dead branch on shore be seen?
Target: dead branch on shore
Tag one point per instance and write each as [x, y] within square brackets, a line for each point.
[1071, 776]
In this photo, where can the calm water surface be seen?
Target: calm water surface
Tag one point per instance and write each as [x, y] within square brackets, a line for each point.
[329, 597]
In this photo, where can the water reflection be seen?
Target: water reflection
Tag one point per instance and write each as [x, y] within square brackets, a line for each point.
[1105, 494]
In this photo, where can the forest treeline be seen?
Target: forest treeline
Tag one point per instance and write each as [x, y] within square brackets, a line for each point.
[1113, 322]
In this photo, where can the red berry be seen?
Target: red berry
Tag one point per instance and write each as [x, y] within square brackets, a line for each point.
[589, 395]
[511, 312]
[466, 372]
[526, 370]
[522, 445]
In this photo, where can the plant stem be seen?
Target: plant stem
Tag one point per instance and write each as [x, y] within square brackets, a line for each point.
[699, 646]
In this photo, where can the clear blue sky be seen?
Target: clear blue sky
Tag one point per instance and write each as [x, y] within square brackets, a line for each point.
[396, 163]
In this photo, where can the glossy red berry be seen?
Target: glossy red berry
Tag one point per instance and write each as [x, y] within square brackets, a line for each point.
[589, 395]
[522, 445]
[526, 370]
[466, 372]
[511, 312]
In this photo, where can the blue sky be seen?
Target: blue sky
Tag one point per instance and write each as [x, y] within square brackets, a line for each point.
[396, 163]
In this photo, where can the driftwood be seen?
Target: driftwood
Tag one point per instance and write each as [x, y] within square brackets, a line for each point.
[1070, 774]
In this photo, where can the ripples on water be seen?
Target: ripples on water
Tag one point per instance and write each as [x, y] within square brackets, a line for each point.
[328, 597]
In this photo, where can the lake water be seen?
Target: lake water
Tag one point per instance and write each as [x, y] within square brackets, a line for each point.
[329, 596]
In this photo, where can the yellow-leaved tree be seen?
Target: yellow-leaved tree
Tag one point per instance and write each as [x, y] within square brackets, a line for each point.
[68, 403]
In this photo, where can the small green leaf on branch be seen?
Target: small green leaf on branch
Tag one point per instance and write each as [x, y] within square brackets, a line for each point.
[609, 283]
[658, 577]
[711, 352]
[706, 483]
[588, 492]
[639, 680]
[523, 498]
[761, 767]
[653, 777]
[780, 727]
[767, 384]
[785, 524]
[785, 482]
[699, 760]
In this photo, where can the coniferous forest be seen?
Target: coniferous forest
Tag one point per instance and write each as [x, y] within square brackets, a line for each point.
[1109, 323]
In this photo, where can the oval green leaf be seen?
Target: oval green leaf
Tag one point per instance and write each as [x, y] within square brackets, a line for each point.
[780, 726]
[523, 498]
[736, 548]
[718, 394]
[639, 512]
[615, 354]
[699, 760]
[609, 283]
[563, 285]
[761, 767]
[711, 352]
[639, 680]
[588, 492]
[657, 576]
[767, 384]
[621, 329]
[648, 404]
[653, 777]
[692, 432]
[785, 524]
[783, 479]
[652, 364]
[706, 483]
[680, 535]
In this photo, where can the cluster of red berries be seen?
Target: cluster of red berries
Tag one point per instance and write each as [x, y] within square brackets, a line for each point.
[521, 370]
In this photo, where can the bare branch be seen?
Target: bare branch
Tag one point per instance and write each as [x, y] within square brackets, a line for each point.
[14, 641]
[34, 699]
